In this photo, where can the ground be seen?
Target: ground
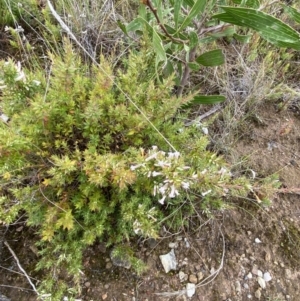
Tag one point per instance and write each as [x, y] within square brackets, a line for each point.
[217, 255]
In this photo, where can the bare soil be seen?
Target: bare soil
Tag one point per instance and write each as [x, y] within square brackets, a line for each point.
[218, 254]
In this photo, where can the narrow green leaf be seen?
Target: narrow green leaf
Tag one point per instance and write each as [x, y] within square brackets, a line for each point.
[134, 25]
[211, 58]
[190, 3]
[250, 3]
[208, 99]
[194, 41]
[177, 8]
[242, 38]
[197, 9]
[172, 31]
[293, 13]
[122, 27]
[158, 47]
[270, 28]
[228, 32]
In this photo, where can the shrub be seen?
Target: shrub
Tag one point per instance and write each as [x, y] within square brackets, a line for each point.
[89, 153]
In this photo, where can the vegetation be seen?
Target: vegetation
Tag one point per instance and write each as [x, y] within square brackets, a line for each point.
[100, 150]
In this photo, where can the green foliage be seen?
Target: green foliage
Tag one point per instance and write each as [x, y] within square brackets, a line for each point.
[84, 163]
[179, 31]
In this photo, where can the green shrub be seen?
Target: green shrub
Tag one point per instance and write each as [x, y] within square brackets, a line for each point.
[89, 153]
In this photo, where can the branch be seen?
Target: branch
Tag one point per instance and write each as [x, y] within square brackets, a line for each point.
[161, 25]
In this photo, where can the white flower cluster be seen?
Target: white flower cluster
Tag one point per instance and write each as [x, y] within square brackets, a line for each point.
[169, 171]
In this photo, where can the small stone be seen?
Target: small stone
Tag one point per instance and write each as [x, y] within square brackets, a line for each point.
[173, 245]
[168, 261]
[238, 288]
[268, 256]
[261, 282]
[212, 270]
[193, 278]
[87, 284]
[246, 286]
[106, 286]
[248, 276]
[288, 296]
[257, 294]
[282, 264]
[198, 267]
[267, 276]
[254, 270]
[187, 244]
[200, 276]
[108, 265]
[190, 289]
[249, 296]
[104, 296]
[257, 241]
[259, 273]
[182, 276]
[249, 233]
[288, 273]
[184, 261]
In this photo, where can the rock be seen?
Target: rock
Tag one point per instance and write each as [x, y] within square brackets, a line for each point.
[120, 261]
[212, 270]
[246, 286]
[87, 284]
[257, 294]
[108, 266]
[173, 245]
[104, 296]
[187, 244]
[257, 241]
[259, 273]
[254, 270]
[200, 276]
[190, 289]
[268, 256]
[267, 276]
[3, 298]
[261, 282]
[238, 287]
[168, 261]
[193, 278]
[288, 273]
[182, 276]
[249, 296]
[248, 276]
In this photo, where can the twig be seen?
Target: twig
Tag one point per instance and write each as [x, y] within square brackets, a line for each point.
[161, 25]
[20, 267]
[207, 114]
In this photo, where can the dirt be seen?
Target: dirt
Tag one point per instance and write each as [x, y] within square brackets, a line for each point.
[218, 254]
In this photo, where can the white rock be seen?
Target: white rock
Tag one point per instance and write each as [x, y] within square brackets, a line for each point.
[267, 276]
[257, 240]
[249, 276]
[187, 244]
[259, 273]
[246, 286]
[257, 294]
[173, 245]
[182, 276]
[168, 261]
[249, 296]
[190, 289]
[261, 282]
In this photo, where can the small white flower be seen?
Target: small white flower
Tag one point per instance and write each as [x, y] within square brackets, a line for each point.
[163, 189]
[162, 164]
[19, 29]
[36, 82]
[162, 200]
[204, 130]
[156, 173]
[134, 167]
[204, 171]
[174, 192]
[6, 28]
[20, 76]
[136, 227]
[206, 192]
[153, 156]
[185, 185]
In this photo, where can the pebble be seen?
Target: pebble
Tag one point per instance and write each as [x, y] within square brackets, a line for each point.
[261, 282]
[238, 287]
[106, 286]
[104, 296]
[200, 276]
[193, 278]
[168, 261]
[255, 270]
[267, 276]
[173, 245]
[182, 276]
[108, 266]
[190, 289]
[249, 296]
[257, 240]
[87, 284]
[268, 256]
[288, 273]
[248, 276]
[257, 294]
[246, 286]
[259, 273]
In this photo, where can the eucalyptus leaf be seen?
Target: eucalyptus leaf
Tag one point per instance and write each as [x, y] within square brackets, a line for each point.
[293, 13]
[269, 27]
[197, 9]
[211, 58]
[177, 9]
[208, 99]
